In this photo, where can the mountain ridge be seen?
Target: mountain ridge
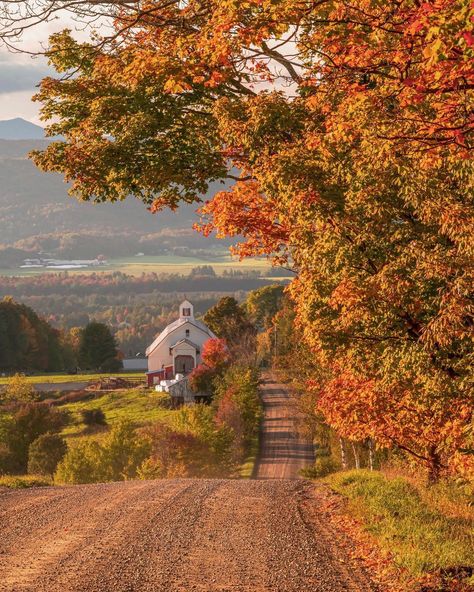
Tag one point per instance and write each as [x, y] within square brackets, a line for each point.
[20, 129]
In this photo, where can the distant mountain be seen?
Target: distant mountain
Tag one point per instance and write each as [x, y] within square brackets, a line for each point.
[20, 129]
[37, 215]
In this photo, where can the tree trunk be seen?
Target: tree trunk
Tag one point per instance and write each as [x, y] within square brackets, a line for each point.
[370, 445]
[343, 454]
[434, 466]
[356, 456]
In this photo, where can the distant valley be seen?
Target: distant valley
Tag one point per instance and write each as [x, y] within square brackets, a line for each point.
[37, 217]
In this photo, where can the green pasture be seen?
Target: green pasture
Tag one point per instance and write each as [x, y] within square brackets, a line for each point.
[62, 378]
[139, 406]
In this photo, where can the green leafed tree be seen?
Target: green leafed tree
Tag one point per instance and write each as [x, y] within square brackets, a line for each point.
[27, 342]
[228, 320]
[29, 423]
[263, 304]
[98, 349]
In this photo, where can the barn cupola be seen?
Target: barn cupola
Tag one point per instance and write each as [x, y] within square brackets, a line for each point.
[186, 310]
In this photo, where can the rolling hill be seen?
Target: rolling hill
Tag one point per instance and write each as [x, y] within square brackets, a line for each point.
[38, 216]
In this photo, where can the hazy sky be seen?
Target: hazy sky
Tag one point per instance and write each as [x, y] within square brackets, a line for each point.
[20, 73]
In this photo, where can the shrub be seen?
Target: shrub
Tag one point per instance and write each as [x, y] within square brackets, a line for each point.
[199, 422]
[93, 417]
[19, 389]
[240, 384]
[123, 451]
[23, 482]
[81, 464]
[117, 457]
[192, 447]
[323, 466]
[8, 463]
[45, 453]
[30, 422]
[175, 454]
[201, 379]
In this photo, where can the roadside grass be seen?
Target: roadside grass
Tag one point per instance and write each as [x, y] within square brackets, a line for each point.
[139, 406]
[424, 529]
[24, 481]
[62, 378]
[246, 469]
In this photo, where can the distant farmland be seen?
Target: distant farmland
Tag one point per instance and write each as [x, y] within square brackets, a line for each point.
[157, 264]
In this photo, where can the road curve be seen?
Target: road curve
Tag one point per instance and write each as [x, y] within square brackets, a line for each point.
[283, 452]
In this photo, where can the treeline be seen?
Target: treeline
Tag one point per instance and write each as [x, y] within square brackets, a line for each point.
[27, 341]
[120, 283]
[135, 308]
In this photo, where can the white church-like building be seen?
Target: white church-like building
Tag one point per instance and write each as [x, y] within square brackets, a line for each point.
[177, 349]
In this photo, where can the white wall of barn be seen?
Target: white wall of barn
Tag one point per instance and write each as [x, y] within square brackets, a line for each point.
[161, 356]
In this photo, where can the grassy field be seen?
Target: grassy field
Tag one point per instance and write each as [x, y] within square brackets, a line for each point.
[425, 530]
[24, 481]
[139, 406]
[158, 264]
[62, 378]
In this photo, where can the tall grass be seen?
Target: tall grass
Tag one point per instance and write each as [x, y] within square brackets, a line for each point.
[417, 525]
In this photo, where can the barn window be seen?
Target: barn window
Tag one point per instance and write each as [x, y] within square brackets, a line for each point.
[187, 332]
[186, 312]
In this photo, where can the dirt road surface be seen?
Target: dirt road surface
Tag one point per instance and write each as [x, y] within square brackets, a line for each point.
[264, 535]
[283, 453]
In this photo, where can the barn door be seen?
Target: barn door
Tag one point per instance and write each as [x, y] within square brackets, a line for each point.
[183, 364]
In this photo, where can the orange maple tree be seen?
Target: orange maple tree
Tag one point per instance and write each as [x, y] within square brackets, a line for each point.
[348, 129]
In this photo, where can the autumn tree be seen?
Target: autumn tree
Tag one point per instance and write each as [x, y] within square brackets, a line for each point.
[215, 357]
[351, 128]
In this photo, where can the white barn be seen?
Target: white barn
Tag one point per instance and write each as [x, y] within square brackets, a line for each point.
[177, 349]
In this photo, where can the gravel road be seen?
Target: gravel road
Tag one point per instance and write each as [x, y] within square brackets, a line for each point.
[283, 453]
[178, 535]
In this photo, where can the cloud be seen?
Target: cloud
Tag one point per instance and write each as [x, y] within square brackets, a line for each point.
[20, 76]
[19, 104]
